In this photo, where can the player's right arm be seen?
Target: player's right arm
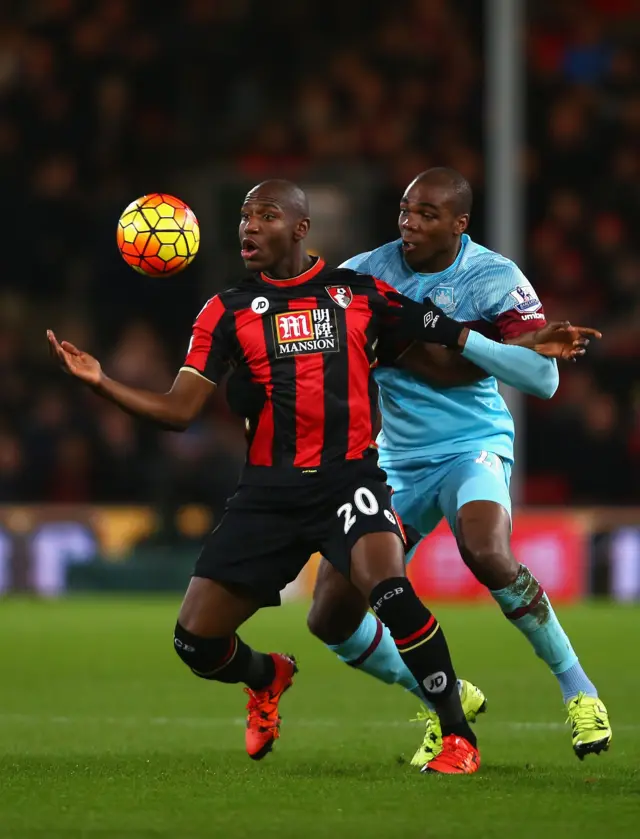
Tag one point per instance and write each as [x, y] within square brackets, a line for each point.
[192, 387]
[439, 366]
[436, 365]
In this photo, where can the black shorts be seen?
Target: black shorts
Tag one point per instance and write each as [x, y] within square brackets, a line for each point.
[267, 534]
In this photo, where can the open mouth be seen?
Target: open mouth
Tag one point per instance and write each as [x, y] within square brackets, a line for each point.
[407, 247]
[249, 249]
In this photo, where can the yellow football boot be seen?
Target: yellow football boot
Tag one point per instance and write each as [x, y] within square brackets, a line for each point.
[590, 727]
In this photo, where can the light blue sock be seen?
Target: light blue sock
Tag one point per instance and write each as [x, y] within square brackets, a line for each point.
[573, 681]
[372, 649]
[526, 605]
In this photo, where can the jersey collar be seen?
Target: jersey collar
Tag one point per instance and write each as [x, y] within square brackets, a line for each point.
[309, 274]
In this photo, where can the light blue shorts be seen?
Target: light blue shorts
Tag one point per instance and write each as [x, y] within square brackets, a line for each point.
[427, 490]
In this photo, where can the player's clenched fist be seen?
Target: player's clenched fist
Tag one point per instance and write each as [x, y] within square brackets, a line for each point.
[74, 361]
[424, 321]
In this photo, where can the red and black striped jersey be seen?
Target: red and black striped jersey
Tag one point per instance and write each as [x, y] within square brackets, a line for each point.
[310, 342]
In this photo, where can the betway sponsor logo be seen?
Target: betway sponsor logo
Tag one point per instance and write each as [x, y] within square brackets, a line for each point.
[305, 331]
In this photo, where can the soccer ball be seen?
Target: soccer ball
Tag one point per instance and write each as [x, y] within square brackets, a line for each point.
[158, 235]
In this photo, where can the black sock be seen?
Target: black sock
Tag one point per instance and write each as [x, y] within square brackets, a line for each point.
[227, 660]
[247, 665]
[423, 647]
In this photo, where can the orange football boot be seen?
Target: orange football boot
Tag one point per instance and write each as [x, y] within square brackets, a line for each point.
[458, 757]
[263, 719]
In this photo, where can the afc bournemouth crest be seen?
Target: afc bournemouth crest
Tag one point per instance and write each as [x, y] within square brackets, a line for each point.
[340, 294]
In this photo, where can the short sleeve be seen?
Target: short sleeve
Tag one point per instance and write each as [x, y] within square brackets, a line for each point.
[507, 299]
[207, 354]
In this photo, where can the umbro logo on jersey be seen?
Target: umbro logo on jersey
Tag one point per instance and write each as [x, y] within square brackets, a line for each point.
[430, 319]
[340, 294]
[305, 331]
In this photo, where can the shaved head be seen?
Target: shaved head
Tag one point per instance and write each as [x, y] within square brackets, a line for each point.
[274, 221]
[451, 181]
[284, 194]
[434, 214]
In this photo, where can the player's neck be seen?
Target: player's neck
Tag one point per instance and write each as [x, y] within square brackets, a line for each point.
[439, 261]
[292, 266]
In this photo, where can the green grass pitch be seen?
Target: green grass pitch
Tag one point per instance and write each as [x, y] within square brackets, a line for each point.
[104, 733]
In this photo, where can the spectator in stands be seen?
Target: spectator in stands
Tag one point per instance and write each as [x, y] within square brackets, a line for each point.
[101, 103]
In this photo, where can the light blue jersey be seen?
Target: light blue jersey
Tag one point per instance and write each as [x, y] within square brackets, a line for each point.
[420, 421]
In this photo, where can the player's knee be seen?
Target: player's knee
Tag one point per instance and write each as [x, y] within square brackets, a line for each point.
[332, 626]
[337, 609]
[317, 622]
[203, 656]
[491, 562]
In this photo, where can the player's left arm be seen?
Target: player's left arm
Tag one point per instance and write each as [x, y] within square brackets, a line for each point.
[526, 358]
[531, 371]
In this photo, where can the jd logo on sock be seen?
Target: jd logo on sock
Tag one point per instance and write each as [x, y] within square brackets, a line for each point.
[436, 682]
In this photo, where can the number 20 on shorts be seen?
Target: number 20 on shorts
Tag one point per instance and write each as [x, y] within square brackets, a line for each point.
[365, 503]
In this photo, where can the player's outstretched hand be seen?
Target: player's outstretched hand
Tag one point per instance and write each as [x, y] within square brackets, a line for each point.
[74, 361]
[559, 339]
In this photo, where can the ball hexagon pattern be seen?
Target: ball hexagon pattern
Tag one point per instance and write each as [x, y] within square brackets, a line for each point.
[158, 235]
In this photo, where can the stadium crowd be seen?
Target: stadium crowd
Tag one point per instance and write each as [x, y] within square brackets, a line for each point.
[100, 103]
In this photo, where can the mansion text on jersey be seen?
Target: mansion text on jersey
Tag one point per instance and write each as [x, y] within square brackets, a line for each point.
[306, 331]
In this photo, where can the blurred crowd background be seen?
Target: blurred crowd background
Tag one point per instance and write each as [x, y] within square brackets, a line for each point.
[103, 101]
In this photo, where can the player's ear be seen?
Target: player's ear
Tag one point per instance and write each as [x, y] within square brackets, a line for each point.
[461, 224]
[301, 229]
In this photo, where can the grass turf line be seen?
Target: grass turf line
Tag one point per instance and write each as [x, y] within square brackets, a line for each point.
[103, 733]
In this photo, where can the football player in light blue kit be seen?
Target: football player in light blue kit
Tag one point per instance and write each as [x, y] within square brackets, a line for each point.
[447, 445]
